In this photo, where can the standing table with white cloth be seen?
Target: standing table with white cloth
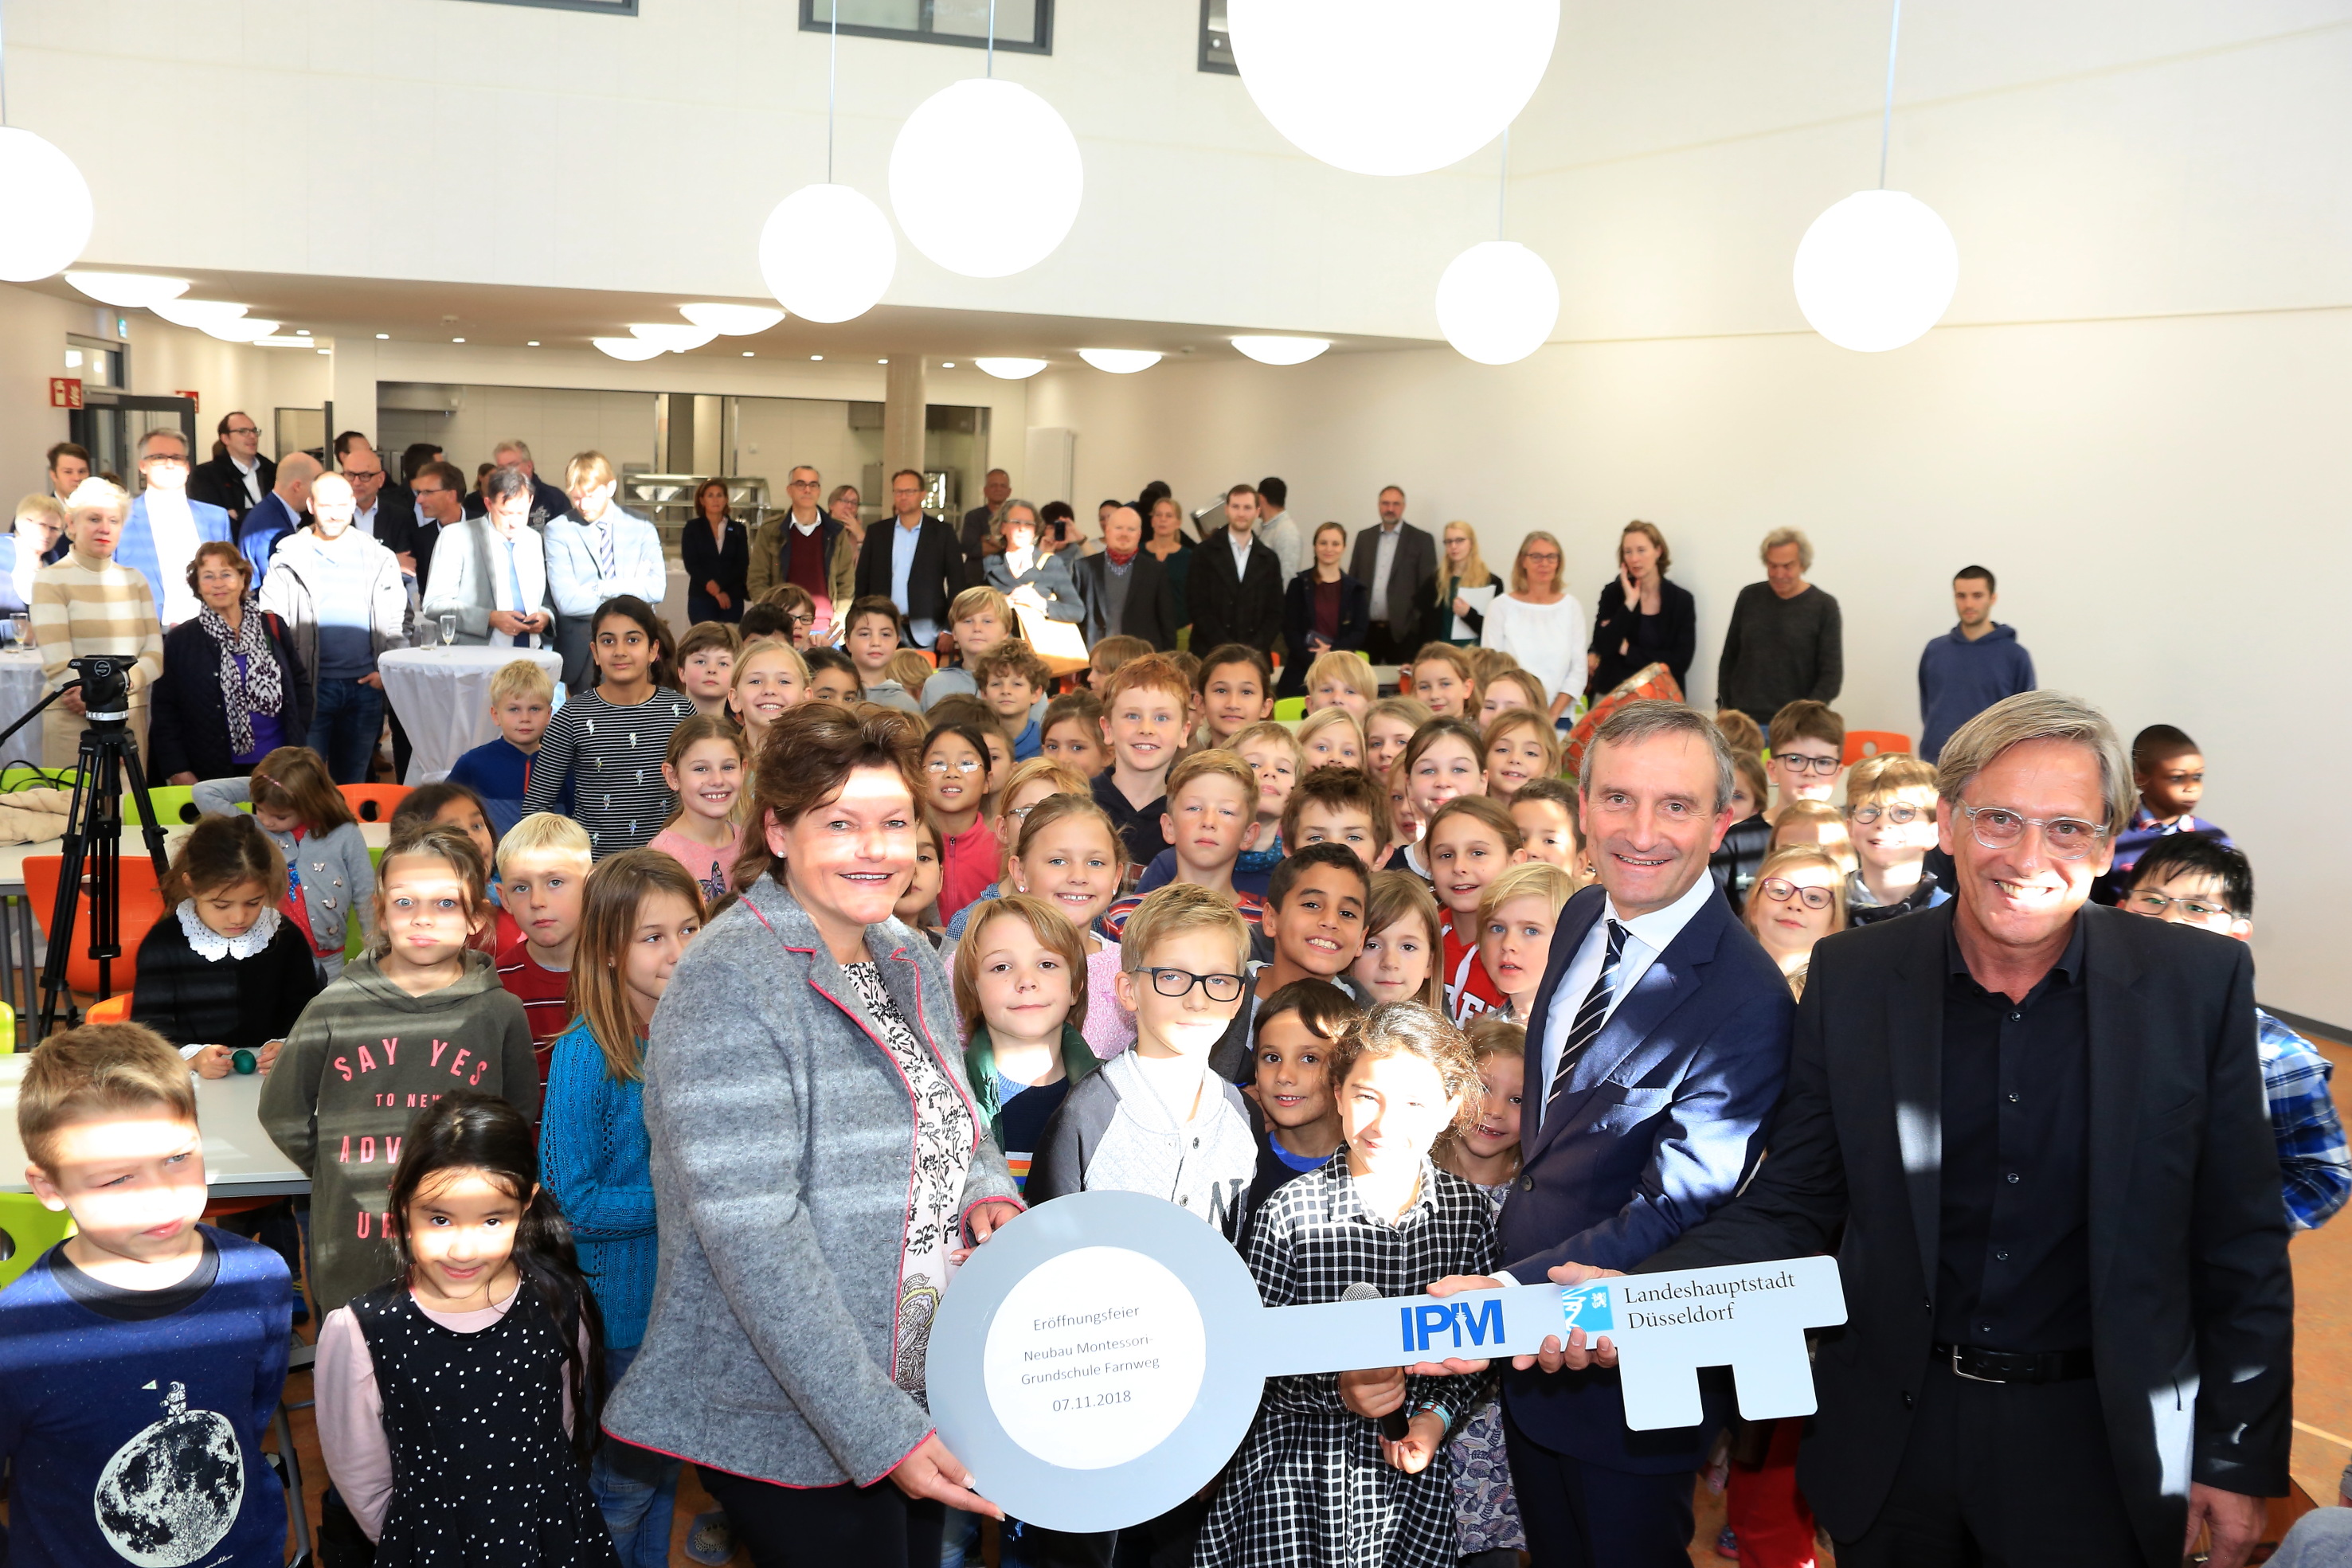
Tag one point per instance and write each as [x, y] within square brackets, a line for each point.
[443, 698]
[21, 689]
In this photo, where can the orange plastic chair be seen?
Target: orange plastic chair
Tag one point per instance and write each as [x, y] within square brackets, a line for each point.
[116, 1009]
[374, 803]
[1861, 743]
[142, 906]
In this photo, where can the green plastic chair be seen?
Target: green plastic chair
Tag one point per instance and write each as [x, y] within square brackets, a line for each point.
[28, 1231]
[1289, 710]
[175, 805]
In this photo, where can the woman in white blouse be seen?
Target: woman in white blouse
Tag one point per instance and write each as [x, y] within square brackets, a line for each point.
[1540, 623]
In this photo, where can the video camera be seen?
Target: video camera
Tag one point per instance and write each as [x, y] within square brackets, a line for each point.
[105, 688]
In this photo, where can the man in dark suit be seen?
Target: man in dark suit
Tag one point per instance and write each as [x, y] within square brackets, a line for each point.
[235, 481]
[1126, 588]
[1658, 1047]
[1236, 585]
[2034, 1131]
[1393, 560]
[283, 510]
[915, 562]
[983, 522]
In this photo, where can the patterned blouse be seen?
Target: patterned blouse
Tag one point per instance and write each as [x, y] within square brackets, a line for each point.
[944, 1137]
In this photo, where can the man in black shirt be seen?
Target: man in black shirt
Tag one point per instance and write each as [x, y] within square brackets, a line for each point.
[2035, 1136]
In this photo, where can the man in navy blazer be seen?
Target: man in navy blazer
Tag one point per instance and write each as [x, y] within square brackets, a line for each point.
[280, 513]
[165, 521]
[1655, 1057]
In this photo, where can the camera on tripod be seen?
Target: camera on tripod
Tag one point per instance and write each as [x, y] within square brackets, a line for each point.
[105, 688]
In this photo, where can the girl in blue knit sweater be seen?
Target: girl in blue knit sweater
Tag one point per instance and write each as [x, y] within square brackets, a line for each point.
[640, 910]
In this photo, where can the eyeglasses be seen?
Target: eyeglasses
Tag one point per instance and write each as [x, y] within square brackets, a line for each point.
[1540, 555]
[1021, 814]
[1780, 890]
[1999, 828]
[1177, 982]
[2156, 903]
[961, 764]
[803, 617]
[1898, 815]
[242, 430]
[1798, 762]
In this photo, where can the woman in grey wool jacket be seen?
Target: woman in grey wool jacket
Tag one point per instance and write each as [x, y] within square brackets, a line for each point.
[817, 1164]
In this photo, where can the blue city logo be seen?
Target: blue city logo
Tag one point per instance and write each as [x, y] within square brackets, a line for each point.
[1586, 1307]
[1482, 1322]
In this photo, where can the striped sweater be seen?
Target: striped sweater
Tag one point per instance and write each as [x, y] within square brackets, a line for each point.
[83, 605]
[612, 756]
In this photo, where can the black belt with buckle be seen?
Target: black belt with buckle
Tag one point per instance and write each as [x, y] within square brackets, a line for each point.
[1978, 1365]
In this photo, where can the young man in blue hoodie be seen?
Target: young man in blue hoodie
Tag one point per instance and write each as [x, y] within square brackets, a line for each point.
[1971, 667]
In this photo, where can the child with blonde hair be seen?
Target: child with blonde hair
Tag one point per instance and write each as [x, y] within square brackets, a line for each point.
[1330, 737]
[1028, 786]
[1070, 856]
[522, 699]
[1389, 727]
[706, 768]
[1341, 679]
[767, 679]
[1521, 747]
[1516, 914]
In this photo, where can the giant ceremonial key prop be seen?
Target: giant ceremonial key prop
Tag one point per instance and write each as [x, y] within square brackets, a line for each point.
[1099, 1360]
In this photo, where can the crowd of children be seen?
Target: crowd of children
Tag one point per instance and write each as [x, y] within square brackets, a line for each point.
[1279, 974]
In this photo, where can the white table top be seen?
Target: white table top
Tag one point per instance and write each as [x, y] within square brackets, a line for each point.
[134, 844]
[467, 656]
[239, 1159]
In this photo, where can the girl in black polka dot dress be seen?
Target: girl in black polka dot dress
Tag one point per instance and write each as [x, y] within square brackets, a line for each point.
[457, 1404]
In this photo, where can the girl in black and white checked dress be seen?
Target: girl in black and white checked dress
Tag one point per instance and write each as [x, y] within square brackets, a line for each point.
[1317, 1486]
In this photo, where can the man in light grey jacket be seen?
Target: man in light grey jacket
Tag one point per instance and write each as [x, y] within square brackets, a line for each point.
[490, 571]
[341, 598]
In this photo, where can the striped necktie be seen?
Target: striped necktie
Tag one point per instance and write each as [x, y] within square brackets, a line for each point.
[1591, 1015]
[604, 548]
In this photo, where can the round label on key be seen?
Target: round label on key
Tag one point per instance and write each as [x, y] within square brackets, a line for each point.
[1095, 1357]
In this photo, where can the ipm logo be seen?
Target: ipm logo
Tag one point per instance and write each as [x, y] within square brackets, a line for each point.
[1424, 1325]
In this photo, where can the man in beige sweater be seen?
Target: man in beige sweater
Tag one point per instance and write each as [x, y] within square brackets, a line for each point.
[88, 604]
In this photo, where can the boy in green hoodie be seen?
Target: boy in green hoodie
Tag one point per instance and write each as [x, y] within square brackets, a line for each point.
[419, 1016]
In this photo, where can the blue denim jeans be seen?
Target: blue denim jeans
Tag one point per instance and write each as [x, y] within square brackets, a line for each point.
[636, 1488]
[343, 728]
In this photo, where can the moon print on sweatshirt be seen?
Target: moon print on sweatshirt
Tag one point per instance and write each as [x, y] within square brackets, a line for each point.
[170, 1494]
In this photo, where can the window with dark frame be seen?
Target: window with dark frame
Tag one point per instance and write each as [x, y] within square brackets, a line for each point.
[609, 8]
[1216, 42]
[1022, 27]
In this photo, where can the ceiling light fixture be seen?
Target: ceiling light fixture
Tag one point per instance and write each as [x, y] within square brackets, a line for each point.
[1009, 368]
[456, 339]
[846, 275]
[674, 336]
[241, 329]
[1281, 350]
[947, 364]
[627, 348]
[814, 358]
[196, 313]
[733, 320]
[533, 344]
[1879, 268]
[130, 291]
[1497, 302]
[1120, 361]
[1391, 87]
[383, 337]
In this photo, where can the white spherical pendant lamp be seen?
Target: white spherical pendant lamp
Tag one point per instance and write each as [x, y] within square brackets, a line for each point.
[1877, 270]
[1497, 302]
[45, 210]
[986, 178]
[828, 253]
[1391, 87]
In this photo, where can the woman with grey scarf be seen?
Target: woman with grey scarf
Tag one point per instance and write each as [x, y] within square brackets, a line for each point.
[232, 689]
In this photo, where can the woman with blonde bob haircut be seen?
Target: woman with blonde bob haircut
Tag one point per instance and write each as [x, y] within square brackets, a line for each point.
[1539, 622]
[1461, 591]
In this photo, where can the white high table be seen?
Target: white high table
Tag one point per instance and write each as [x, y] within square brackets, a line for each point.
[443, 698]
[239, 1159]
[21, 689]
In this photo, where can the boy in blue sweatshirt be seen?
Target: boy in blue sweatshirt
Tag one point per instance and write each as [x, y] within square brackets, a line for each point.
[139, 1359]
[522, 699]
[1970, 668]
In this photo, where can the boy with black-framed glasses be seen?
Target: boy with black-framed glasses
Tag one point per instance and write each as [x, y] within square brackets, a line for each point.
[1890, 813]
[1807, 742]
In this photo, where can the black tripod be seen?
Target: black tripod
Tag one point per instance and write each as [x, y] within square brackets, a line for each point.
[93, 836]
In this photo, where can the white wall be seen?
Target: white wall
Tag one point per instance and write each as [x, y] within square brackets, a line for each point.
[2163, 501]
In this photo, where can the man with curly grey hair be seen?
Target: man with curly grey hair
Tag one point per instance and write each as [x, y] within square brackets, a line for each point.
[1785, 640]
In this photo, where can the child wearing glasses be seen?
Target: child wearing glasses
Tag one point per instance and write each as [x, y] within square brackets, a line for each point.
[2196, 879]
[1799, 898]
[1890, 814]
[1808, 742]
[955, 790]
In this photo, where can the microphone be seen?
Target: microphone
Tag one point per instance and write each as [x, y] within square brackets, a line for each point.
[1396, 1424]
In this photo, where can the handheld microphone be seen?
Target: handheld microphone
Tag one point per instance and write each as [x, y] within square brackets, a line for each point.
[1396, 1424]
